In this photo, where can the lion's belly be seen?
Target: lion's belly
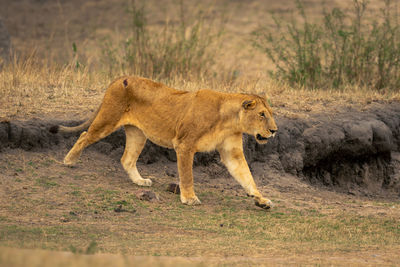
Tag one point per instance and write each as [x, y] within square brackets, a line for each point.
[158, 133]
[160, 141]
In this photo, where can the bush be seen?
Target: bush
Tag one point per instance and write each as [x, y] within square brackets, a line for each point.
[344, 49]
[181, 48]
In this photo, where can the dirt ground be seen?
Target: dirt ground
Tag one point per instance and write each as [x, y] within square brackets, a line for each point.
[95, 208]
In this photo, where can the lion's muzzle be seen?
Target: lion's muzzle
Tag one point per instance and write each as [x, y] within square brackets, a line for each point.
[259, 137]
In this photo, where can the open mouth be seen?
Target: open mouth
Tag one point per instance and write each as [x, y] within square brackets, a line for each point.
[261, 138]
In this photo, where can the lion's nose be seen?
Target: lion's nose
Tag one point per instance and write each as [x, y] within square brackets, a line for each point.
[273, 131]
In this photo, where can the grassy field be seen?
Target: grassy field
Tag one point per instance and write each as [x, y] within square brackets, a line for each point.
[96, 210]
[54, 213]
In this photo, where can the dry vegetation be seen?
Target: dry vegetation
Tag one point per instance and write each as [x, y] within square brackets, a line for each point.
[29, 89]
[65, 59]
[67, 66]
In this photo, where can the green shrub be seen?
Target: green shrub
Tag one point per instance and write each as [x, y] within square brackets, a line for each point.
[183, 47]
[344, 49]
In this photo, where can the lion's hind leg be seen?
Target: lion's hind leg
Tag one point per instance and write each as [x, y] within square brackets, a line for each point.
[86, 139]
[106, 122]
[135, 141]
[76, 151]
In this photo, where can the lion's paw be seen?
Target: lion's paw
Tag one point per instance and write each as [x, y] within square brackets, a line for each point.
[144, 182]
[264, 203]
[190, 201]
[69, 162]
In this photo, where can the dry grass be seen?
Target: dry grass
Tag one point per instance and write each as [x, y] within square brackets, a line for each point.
[29, 88]
[42, 84]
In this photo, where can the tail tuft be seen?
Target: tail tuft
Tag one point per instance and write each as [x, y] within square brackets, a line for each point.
[54, 129]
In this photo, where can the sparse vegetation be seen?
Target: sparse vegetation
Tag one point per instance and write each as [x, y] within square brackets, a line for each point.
[345, 49]
[86, 221]
[46, 182]
[183, 47]
[184, 53]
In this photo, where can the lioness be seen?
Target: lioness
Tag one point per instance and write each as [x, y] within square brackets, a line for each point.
[189, 122]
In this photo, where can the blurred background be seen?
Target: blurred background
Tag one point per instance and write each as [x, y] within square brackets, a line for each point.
[63, 49]
[96, 33]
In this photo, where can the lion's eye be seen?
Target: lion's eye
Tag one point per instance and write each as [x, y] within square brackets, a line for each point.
[262, 114]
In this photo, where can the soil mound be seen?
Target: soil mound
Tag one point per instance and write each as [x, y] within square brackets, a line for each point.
[354, 151]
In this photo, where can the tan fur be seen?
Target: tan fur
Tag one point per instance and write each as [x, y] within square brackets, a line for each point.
[189, 122]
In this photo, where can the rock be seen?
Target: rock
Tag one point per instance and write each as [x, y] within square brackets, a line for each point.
[119, 209]
[170, 173]
[382, 137]
[321, 141]
[147, 195]
[173, 188]
[63, 219]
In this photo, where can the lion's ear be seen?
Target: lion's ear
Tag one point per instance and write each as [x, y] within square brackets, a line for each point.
[249, 104]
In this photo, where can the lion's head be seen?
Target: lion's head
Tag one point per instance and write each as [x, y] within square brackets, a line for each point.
[257, 120]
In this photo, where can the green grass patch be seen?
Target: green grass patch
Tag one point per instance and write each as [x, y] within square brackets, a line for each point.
[46, 182]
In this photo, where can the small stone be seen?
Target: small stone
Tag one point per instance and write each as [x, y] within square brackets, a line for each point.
[173, 188]
[170, 173]
[147, 195]
[119, 209]
[63, 219]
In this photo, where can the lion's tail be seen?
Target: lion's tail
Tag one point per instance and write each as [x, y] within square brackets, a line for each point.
[66, 129]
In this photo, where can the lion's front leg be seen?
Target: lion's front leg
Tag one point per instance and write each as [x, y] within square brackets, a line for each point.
[232, 156]
[185, 170]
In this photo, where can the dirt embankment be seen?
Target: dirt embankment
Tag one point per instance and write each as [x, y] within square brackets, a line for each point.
[351, 151]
